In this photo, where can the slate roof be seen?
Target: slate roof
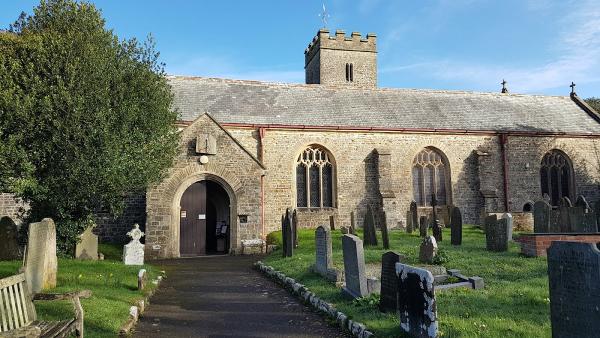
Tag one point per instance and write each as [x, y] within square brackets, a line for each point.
[253, 102]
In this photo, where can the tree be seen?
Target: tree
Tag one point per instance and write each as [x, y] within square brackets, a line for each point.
[85, 118]
[594, 102]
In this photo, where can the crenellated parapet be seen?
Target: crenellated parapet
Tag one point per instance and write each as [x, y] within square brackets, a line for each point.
[339, 41]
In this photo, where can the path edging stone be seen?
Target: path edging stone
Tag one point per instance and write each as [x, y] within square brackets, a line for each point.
[357, 329]
[135, 311]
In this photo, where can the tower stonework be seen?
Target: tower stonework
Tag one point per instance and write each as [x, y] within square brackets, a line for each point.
[341, 60]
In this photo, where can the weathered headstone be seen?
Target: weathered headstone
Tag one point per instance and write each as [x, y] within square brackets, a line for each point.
[546, 198]
[428, 250]
[41, 264]
[414, 214]
[369, 234]
[388, 300]
[87, 248]
[509, 225]
[541, 217]
[354, 267]
[287, 234]
[331, 223]
[416, 301]
[142, 279]
[555, 221]
[409, 223]
[565, 202]
[323, 255]
[496, 233]
[423, 226]
[573, 270]
[581, 202]
[352, 224]
[133, 253]
[435, 223]
[564, 208]
[9, 249]
[384, 233]
[456, 227]
[295, 227]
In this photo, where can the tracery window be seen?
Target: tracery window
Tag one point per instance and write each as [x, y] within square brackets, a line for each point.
[429, 174]
[314, 178]
[556, 176]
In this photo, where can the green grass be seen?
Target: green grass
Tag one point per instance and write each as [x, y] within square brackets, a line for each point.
[113, 286]
[514, 303]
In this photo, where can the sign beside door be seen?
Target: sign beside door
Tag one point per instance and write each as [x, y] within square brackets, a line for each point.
[201, 216]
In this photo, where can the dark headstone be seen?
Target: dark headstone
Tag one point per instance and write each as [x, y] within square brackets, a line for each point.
[564, 208]
[597, 211]
[541, 217]
[416, 301]
[435, 223]
[573, 270]
[456, 227]
[295, 227]
[581, 202]
[323, 261]
[423, 226]
[369, 234]
[409, 223]
[565, 202]
[428, 250]
[354, 267]
[384, 233]
[331, 223]
[288, 234]
[352, 224]
[414, 214]
[555, 221]
[388, 300]
[9, 249]
[496, 233]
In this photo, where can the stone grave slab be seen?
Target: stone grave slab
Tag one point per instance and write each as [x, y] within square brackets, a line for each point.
[354, 267]
[323, 253]
[416, 301]
[541, 217]
[509, 225]
[423, 226]
[87, 248]
[384, 233]
[369, 232]
[496, 233]
[414, 214]
[456, 225]
[41, 263]
[428, 250]
[388, 300]
[9, 249]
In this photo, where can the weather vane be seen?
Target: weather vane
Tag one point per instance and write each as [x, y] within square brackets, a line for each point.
[324, 15]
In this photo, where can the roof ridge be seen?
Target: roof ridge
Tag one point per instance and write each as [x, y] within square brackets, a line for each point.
[343, 87]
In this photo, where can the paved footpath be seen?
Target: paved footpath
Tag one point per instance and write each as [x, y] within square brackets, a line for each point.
[224, 297]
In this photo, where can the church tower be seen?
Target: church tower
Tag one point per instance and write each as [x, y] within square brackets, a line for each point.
[341, 60]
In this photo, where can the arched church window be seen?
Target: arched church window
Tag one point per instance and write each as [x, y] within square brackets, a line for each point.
[429, 175]
[314, 178]
[556, 176]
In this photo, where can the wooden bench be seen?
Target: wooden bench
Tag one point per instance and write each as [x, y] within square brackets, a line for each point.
[18, 317]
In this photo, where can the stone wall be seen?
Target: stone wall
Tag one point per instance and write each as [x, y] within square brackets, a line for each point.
[12, 207]
[112, 229]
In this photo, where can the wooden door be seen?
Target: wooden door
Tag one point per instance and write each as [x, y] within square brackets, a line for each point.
[192, 221]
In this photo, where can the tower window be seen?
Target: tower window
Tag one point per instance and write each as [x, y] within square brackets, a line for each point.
[349, 72]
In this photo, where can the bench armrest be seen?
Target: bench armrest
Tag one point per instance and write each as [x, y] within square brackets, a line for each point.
[62, 296]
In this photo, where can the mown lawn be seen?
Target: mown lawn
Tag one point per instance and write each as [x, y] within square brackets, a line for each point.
[113, 286]
[514, 303]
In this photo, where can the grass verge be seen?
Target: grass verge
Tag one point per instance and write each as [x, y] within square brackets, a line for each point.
[113, 286]
[514, 302]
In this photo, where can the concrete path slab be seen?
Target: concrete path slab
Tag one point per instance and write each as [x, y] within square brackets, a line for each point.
[224, 297]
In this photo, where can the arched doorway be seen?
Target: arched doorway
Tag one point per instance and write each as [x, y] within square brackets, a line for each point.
[204, 223]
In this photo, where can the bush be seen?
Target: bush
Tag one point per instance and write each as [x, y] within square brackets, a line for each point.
[441, 257]
[274, 238]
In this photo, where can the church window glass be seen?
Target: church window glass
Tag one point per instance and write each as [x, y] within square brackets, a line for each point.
[349, 72]
[429, 174]
[556, 176]
[314, 179]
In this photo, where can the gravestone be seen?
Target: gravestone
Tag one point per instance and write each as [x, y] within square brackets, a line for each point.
[287, 234]
[509, 225]
[573, 270]
[133, 253]
[295, 227]
[555, 221]
[323, 261]
[541, 217]
[352, 224]
[496, 233]
[564, 208]
[9, 249]
[369, 234]
[409, 223]
[597, 211]
[416, 301]
[354, 267]
[331, 223]
[345, 230]
[581, 202]
[87, 247]
[414, 215]
[384, 233]
[388, 300]
[142, 279]
[546, 198]
[423, 226]
[456, 227]
[428, 250]
[41, 263]
[435, 223]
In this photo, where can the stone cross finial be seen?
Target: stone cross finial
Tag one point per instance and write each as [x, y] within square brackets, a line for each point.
[572, 88]
[135, 233]
[324, 15]
[504, 89]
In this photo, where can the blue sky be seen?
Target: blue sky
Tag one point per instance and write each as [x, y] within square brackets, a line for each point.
[538, 46]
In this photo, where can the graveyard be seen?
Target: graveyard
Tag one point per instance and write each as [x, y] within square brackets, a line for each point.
[514, 302]
[114, 287]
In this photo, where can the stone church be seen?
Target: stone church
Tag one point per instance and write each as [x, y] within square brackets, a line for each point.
[338, 143]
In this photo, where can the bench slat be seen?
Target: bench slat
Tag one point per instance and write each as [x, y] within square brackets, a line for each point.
[4, 282]
[9, 317]
[54, 329]
[17, 292]
[24, 303]
[13, 306]
[4, 326]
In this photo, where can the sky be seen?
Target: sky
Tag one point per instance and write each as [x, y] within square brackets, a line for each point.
[538, 46]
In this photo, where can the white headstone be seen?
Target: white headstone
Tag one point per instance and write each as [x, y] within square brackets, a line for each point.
[509, 221]
[133, 253]
[41, 264]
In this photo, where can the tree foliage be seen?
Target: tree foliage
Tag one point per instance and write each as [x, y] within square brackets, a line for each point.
[594, 102]
[85, 117]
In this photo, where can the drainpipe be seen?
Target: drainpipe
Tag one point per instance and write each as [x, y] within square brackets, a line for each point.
[261, 135]
[503, 144]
